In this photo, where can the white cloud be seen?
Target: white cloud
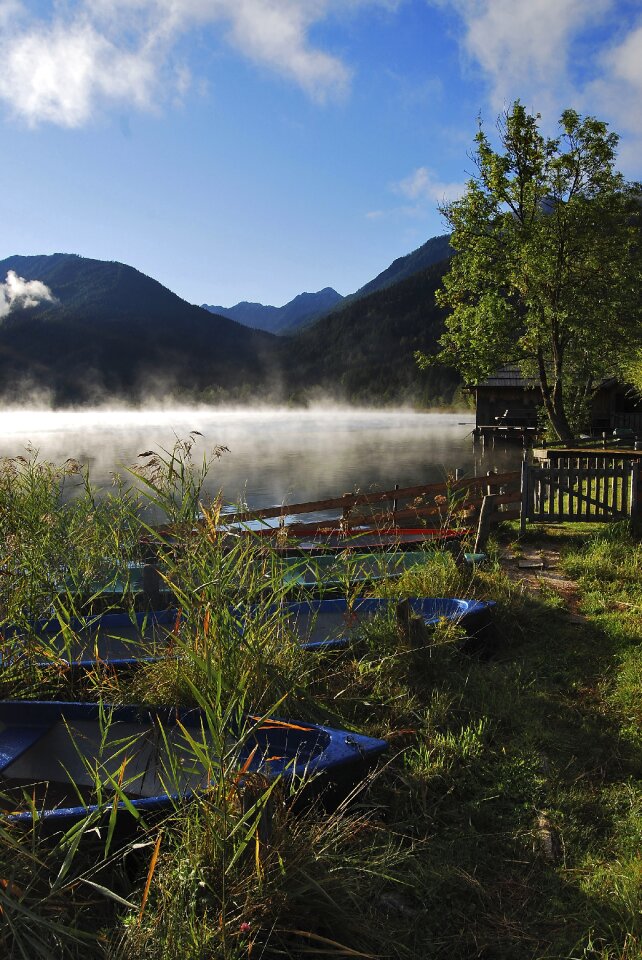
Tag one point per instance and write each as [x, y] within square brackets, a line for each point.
[17, 292]
[423, 185]
[424, 192]
[617, 93]
[92, 52]
[58, 73]
[524, 46]
[543, 52]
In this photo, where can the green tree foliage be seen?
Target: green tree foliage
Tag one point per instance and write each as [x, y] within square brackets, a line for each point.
[547, 265]
[633, 371]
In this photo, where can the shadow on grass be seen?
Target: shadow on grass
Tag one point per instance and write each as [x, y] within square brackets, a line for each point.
[512, 792]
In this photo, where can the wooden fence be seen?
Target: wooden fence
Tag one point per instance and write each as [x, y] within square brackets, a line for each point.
[451, 503]
[586, 488]
[589, 456]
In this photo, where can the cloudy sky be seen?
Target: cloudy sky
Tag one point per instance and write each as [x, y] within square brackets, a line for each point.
[253, 149]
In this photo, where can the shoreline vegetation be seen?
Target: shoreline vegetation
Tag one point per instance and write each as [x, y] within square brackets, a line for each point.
[504, 823]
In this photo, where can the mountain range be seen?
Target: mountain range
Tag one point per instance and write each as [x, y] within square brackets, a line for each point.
[112, 332]
[304, 309]
[301, 311]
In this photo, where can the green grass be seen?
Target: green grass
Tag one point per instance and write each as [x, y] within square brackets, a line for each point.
[503, 824]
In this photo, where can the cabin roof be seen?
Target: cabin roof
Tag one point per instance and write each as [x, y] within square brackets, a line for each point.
[508, 376]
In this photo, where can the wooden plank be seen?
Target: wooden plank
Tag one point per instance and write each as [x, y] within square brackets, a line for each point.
[562, 482]
[572, 474]
[626, 486]
[524, 495]
[540, 492]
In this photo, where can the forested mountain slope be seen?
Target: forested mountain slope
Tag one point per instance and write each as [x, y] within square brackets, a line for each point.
[435, 250]
[114, 331]
[364, 351]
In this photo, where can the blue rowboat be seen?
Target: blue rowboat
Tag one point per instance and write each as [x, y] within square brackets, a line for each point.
[327, 571]
[328, 624]
[47, 750]
[323, 572]
[115, 640]
[119, 640]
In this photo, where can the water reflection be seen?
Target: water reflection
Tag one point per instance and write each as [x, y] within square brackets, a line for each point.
[276, 456]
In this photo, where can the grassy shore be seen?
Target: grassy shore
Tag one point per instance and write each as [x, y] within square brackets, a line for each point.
[504, 823]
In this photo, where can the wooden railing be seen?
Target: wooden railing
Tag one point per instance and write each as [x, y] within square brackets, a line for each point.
[569, 489]
[454, 502]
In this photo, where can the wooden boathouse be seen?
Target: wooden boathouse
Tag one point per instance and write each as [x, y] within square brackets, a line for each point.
[508, 406]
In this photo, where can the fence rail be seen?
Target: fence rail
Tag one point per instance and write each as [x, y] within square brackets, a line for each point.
[450, 501]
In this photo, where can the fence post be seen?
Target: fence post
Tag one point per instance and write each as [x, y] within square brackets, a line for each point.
[523, 513]
[634, 497]
[483, 527]
[490, 473]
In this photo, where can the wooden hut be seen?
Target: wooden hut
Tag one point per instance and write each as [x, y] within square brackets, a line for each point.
[509, 403]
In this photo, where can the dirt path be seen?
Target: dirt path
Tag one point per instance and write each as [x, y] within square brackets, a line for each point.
[537, 567]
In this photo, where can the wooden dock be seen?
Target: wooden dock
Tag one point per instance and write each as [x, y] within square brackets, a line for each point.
[505, 433]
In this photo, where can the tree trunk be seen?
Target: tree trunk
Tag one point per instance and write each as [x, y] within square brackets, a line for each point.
[554, 401]
[559, 422]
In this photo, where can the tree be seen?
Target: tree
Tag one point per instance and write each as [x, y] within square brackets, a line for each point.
[548, 264]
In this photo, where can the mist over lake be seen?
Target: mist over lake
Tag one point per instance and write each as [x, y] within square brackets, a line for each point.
[275, 455]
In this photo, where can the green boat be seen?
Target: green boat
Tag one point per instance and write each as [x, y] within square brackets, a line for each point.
[337, 571]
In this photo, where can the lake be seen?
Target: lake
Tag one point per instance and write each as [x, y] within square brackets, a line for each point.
[275, 456]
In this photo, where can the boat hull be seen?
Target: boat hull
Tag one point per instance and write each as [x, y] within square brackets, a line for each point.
[337, 571]
[57, 744]
[333, 540]
[331, 624]
[117, 640]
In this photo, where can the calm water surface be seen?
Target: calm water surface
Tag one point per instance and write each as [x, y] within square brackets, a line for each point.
[275, 456]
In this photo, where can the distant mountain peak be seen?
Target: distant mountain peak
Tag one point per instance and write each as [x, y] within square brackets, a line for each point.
[299, 312]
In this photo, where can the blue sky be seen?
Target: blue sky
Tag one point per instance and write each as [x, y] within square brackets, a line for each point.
[253, 149]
